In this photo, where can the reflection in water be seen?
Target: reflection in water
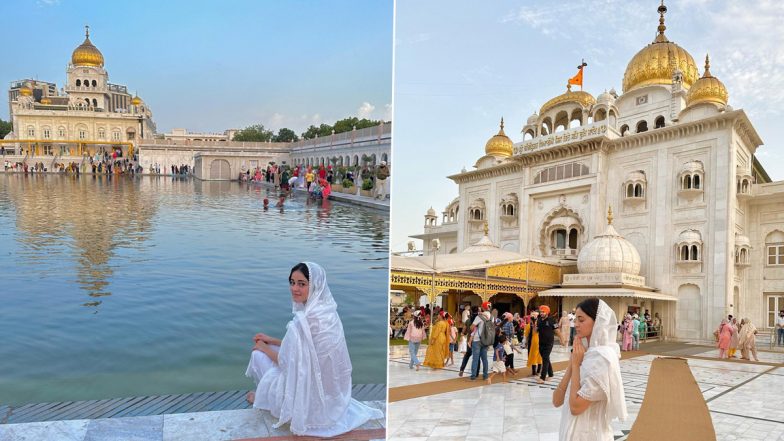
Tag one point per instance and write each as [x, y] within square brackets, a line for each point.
[183, 273]
[91, 216]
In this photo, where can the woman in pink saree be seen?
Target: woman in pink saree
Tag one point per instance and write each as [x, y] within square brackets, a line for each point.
[725, 336]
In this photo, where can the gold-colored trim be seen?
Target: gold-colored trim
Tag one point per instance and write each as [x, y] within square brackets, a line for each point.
[580, 97]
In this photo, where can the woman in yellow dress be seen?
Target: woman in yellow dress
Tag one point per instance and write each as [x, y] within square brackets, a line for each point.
[438, 344]
[532, 335]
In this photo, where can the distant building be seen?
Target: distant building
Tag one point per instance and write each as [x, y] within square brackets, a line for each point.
[87, 115]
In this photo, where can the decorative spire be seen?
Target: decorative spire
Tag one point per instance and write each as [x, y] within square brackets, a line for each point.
[707, 67]
[502, 123]
[568, 87]
[609, 215]
[86, 31]
[487, 230]
[662, 10]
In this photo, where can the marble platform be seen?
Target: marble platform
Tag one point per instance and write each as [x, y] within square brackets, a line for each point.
[745, 400]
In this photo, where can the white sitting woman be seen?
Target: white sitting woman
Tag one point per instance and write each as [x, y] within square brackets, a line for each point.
[305, 379]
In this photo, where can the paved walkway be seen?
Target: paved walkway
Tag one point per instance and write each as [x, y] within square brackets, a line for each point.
[196, 426]
[745, 399]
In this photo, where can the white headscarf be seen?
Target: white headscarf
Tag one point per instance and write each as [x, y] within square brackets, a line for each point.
[604, 349]
[313, 389]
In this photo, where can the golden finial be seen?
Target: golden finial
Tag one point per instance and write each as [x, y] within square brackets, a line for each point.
[502, 123]
[86, 31]
[707, 66]
[662, 10]
[487, 230]
[609, 215]
[568, 87]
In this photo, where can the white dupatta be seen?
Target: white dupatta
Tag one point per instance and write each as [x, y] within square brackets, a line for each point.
[312, 390]
[604, 349]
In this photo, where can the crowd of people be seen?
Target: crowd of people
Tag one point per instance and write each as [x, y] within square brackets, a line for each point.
[319, 180]
[591, 391]
[732, 335]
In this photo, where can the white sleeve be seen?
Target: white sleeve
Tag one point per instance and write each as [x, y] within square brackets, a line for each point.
[591, 390]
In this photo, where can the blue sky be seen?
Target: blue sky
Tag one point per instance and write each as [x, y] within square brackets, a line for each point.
[461, 65]
[209, 66]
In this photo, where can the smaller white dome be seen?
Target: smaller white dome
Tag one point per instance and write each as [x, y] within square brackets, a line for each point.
[690, 236]
[431, 212]
[609, 253]
[532, 119]
[693, 166]
[605, 98]
[484, 244]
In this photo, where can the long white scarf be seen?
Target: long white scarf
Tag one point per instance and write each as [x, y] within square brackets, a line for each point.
[313, 388]
[603, 347]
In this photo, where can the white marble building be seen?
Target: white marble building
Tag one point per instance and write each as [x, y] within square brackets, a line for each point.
[675, 162]
[88, 114]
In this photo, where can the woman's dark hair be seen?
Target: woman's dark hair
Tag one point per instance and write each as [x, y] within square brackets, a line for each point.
[502, 339]
[589, 306]
[418, 322]
[301, 267]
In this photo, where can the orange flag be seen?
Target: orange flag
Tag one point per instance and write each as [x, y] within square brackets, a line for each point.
[577, 80]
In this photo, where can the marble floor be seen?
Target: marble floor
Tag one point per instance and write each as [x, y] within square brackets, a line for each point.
[745, 400]
[197, 426]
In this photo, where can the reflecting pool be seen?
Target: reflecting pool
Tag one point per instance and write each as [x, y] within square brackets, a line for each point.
[150, 286]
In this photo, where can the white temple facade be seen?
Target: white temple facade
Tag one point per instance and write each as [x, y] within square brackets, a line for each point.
[674, 161]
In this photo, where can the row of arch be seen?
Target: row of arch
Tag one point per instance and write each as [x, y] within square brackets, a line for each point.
[81, 131]
[564, 120]
[86, 83]
[342, 161]
[642, 126]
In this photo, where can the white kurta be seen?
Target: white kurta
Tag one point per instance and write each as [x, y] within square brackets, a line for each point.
[591, 425]
[310, 386]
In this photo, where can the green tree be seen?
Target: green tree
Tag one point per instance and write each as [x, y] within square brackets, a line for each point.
[255, 133]
[348, 124]
[285, 135]
[5, 128]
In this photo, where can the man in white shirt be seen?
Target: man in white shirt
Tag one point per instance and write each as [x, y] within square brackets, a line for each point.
[571, 328]
[780, 328]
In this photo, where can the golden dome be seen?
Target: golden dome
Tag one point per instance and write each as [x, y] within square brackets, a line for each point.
[584, 99]
[657, 62]
[707, 89]
[500, 144]
[26, 90]
[46, 101]
[136, 100]
[87, 54]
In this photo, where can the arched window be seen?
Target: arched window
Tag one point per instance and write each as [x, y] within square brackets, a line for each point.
[642, 126]
[95, 102]
[559, 239]
[629, 190]
[658, 123]
[573, 239]
[687, 182]
[694, 253]
[86, 83]
[696, 182]
[78, 82]
[638, 191]
[685, 252]
[624, 129]
[87, 101]
[95, 83]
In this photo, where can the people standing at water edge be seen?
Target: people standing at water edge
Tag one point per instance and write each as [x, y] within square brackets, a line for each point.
[313, 352]
[415, 332]
[382, 173]
[591, 391]
[546, 326]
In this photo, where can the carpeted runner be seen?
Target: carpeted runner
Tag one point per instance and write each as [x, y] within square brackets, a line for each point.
[455, 384]
[673, 407]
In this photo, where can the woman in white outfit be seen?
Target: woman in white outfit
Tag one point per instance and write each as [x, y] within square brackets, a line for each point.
[591, 391]
[305, 379]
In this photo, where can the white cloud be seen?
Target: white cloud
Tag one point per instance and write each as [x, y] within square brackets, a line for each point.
[48, 2]
[387, 112]
[365, 110]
